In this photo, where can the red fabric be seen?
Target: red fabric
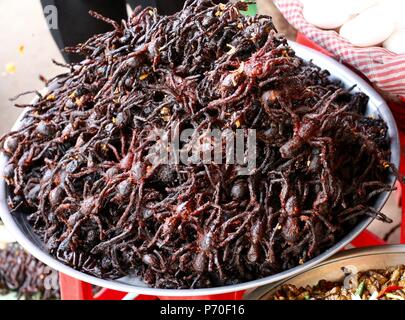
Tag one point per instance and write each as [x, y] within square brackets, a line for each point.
[386, 70]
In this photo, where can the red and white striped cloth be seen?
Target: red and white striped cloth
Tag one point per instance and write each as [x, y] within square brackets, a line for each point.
[386, 70]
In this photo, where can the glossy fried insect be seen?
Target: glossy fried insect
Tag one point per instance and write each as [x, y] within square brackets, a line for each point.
[79, 163]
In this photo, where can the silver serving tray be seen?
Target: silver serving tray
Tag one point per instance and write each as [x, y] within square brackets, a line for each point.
[19, 227]
[363, 259]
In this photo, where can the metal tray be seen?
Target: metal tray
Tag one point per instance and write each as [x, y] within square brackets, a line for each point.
[24, 234]
[379, 257]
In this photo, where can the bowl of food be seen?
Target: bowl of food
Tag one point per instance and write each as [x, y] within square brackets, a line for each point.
[373, 273]
[83, 191]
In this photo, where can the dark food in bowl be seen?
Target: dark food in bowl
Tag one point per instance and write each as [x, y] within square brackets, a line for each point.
[78, 164]
[382, 284]
[26, 276]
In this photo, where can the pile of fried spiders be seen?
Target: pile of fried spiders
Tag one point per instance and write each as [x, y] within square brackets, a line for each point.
[24, 277]
[78, 164]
